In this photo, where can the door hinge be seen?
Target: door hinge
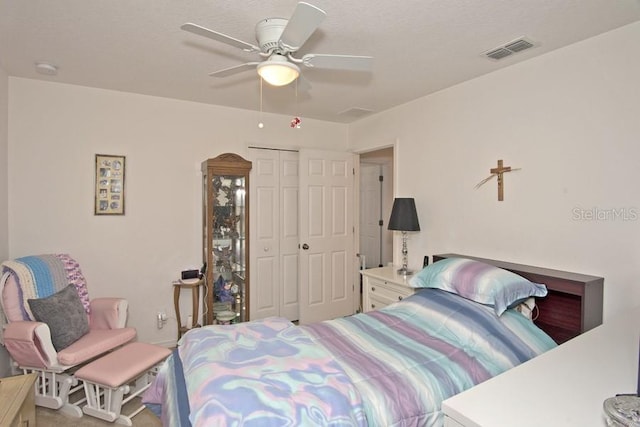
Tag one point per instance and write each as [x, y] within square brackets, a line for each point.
[380, 223]
[381, 178]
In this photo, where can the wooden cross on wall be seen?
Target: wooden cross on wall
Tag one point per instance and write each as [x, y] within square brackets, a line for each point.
[498, 172]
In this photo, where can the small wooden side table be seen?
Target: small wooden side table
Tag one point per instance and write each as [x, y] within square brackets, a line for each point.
[17, 401]
[195, 295]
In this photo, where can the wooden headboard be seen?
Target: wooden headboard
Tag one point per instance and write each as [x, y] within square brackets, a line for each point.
[573, 304]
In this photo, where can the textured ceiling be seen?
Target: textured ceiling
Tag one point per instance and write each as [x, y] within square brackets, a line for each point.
[419, 46]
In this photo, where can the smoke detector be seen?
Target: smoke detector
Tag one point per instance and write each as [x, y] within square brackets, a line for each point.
[46, 69]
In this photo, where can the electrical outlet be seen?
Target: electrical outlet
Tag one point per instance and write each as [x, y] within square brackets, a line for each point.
[161, 318]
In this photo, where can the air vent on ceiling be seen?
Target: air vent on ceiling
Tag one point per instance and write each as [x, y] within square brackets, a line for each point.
[498, 53]
[355, 112]
[510, 48]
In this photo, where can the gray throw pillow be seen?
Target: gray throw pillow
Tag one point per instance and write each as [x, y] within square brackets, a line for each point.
[65, 315]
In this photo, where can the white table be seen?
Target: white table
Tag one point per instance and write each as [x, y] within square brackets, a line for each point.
[564, 387]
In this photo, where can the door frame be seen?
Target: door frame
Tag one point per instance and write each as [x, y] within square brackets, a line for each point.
[394, 145]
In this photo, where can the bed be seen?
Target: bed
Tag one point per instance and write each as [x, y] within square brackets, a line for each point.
[390, 367]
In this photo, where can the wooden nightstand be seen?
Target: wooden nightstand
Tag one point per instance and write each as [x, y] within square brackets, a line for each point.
[383, 286]
[17, 397]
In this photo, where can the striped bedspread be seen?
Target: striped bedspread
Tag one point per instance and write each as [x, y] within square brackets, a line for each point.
[391, 367]
[408, 357]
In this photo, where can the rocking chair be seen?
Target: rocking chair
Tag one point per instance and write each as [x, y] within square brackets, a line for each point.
[52, 327]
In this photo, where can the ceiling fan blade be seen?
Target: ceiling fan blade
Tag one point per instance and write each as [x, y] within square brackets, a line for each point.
[338, 62]
[214, 35]
[305, 20]
[234, 70]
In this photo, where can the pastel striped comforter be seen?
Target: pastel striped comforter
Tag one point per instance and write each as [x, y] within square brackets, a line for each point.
[391, 367]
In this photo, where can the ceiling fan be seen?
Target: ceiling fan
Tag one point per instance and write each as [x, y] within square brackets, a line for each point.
[278, 40]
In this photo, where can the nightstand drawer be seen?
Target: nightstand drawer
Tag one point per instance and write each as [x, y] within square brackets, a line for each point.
[387, 290]
[383, 286]
[376, 303]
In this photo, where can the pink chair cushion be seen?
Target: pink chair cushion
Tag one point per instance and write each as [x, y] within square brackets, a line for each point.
[23, 340]
[12, 301]
[96, 342]
[108, 313]
[124, 364]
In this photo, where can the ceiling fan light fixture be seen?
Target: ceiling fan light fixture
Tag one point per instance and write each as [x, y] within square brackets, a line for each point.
[277, 71]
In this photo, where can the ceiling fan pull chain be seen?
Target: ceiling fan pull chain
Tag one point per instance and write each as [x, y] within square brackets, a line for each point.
[260, 122]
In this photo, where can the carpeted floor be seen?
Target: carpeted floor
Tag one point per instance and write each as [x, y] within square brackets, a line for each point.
[50, 418]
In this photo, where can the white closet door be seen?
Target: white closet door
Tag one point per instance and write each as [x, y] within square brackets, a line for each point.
[327, 255]
[289, 235]
[274, 225]
[265, 247]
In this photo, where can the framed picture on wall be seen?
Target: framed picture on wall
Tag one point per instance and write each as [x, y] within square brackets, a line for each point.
[109, 194]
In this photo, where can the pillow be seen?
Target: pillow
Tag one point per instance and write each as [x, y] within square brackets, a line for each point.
[65, 315]
[478, 282]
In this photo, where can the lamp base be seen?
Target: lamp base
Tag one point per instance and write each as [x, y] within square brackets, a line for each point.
[405, 271]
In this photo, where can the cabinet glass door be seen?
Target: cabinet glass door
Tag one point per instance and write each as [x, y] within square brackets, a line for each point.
[229, 251]
[226, 238]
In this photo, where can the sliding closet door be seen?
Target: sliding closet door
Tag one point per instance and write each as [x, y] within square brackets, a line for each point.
[274, 225]
[327, 255]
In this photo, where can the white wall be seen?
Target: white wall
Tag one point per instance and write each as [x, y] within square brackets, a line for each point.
[4, 174]
[571, 120]
[54, 132]
[4, 199]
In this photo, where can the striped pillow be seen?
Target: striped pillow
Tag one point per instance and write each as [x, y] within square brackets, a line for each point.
[478, 282]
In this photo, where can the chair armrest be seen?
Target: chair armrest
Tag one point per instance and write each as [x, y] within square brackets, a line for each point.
[29, 344]
[108, 313]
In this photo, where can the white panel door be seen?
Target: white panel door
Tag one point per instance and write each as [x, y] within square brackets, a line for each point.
[264, 224]
[274, 224]
[289, 235]
[327, 256]
[370, 214]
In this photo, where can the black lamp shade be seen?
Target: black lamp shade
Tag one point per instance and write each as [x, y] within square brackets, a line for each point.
[403, 215]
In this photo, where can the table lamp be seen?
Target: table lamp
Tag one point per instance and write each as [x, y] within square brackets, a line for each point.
[404, 218]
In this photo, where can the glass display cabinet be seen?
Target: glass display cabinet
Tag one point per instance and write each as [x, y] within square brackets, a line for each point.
[225, 220]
